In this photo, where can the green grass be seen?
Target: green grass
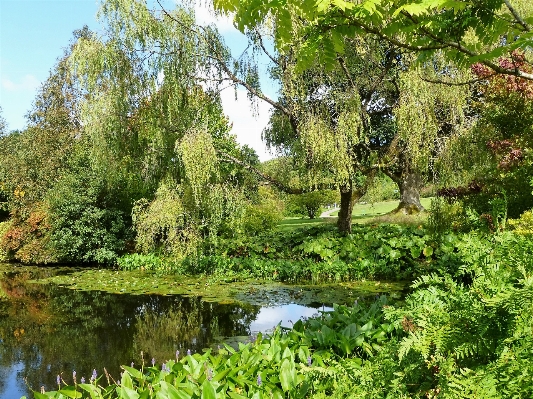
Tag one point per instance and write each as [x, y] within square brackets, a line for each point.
[363, 213]
[295, 222]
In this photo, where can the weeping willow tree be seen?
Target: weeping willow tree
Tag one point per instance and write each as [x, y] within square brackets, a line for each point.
[427, 115]
[335, 123]
[373, 111]
[153, 118]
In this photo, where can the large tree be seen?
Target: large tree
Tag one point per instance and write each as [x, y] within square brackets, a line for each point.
[154, 117]
[367, 112]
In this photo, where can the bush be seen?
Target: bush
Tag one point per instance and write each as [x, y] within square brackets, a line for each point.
[27, 236]
[163, 225]
[523, 225]
[85, 224]
[264, 215]
[4, 227]
[310, 204]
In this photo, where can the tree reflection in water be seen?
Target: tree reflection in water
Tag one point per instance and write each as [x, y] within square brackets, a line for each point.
[46, 330]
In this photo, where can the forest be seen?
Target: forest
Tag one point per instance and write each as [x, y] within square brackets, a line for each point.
[127, 163]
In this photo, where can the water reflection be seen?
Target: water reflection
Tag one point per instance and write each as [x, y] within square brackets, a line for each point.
[46, 330]
[286, 315]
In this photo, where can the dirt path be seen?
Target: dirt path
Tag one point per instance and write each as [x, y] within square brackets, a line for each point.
[327, 214]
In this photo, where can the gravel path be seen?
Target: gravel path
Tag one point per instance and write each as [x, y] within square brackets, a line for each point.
[327, 214]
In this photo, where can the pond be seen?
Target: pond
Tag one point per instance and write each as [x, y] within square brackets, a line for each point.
[48, 328]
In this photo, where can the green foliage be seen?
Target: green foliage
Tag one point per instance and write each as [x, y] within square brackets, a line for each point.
[321, 254]
[456, 335]
[523, 225]
[163, 225]
[312, 202]
[445, 216]
[265, 215]
[87, 224]
[266, 368]
[4, 228]
[347, 331]
[295, 363]
[382, 188]
[466, 32]
[461, 334]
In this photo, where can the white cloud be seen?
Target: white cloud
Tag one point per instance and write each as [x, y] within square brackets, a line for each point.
[27, 83]
[246, 126]
[205, 15]
[286, 314]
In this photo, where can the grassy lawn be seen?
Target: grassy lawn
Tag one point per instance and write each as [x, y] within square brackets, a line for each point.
[295, 222]
[362, 213]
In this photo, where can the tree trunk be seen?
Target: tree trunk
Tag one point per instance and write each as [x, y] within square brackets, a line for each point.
[409, 183]
[344, 221]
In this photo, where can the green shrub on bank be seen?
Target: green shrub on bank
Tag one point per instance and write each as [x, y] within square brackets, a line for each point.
[317, 254]
[4, 227]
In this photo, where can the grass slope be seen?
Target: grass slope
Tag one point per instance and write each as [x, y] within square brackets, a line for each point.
[362, 213]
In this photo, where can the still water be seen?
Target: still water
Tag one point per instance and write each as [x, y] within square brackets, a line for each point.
[46, 330]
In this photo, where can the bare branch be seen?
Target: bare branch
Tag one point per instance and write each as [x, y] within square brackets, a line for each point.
[516, 16]
[262, 45]
[447, 83]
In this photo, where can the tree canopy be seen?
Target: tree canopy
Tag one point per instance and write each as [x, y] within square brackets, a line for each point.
[467, 32]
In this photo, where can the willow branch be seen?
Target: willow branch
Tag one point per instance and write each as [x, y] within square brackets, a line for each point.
[262, 45]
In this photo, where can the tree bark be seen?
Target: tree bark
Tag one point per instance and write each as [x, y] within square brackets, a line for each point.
[409, 183]
[344, 221]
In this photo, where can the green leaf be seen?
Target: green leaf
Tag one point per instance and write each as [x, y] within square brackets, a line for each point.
[416, 252]
[322, 5]
[208, 390]
[127, 393]
[126, 381]
[428, 251]
[343, 5]
[170, 392]
[222, 374]
[70, 392]
[133, 371]
[287, 375]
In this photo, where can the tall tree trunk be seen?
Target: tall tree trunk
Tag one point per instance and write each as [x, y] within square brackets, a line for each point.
[409, 183]
[344, 221]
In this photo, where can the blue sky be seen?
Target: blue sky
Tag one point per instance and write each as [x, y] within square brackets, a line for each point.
[33, 34]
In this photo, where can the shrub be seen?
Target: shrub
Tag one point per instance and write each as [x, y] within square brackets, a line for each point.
[381, 189]
[265, 215]
[86, 225]
[4, 227]
[311, 203]
[523, 225]
[164, 225]
[27, 236]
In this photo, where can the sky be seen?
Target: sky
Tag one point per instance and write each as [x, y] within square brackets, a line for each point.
[33, 34]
